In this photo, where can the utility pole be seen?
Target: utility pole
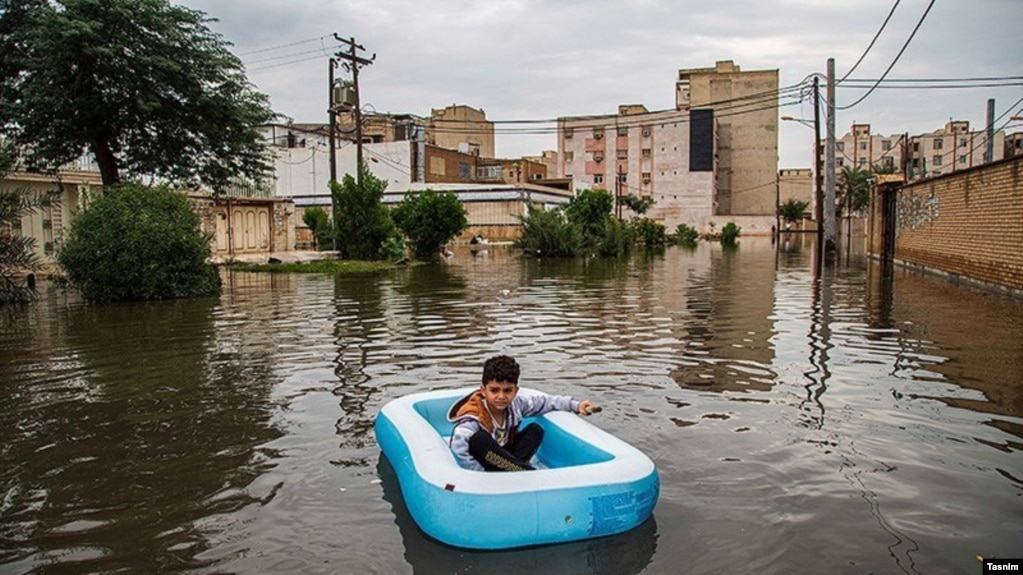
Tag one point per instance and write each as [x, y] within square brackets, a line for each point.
[332, 114]
[352, 63]
[989, 133]
[818, 191]
[829, 168]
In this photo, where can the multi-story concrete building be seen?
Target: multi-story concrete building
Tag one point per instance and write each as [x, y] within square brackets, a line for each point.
[462, 128]
[745, 106]
[861, 149]
[1014, 145]
[950, 149]
[456, 127]
[796, 184]
[943, 151]
[666, 156]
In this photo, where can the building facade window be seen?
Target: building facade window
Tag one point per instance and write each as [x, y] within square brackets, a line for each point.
[622, 131]
[598, 178]
[623, 154]
[568, 133]
[598, 133]
[962, 159]
[863, 146]
[938, 144]
[646, 178]
[964, 143]
[646, 152]
[936, 160]
[569, 156]
[886, 145]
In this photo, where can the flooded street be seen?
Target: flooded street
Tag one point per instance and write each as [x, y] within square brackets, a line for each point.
[799, 424]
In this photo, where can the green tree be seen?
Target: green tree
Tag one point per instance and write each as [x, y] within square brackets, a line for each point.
[17, 254]
[792, 210]
[591, 209]
[362, 221]
[430, 220]
[139, 244]
[549, 233]
[637, 205]
[143, 85]
[854, 188]
[318, 222]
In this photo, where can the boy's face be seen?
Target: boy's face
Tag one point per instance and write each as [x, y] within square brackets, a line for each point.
[499, 394]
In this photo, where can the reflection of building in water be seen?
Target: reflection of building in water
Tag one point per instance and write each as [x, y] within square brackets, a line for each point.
[934, 321]
[726, 327]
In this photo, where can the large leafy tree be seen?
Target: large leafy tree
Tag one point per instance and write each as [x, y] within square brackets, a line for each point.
[143, 85]
[362, 222]
[430, 220]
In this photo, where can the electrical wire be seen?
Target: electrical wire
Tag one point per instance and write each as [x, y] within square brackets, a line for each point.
[876, 36]
[288, 45]
[894, 61]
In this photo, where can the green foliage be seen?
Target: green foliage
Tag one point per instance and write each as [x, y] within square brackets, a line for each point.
[591, 209]
[686, 235]
[430, 220]
[729, 233]
[362, 221]
[650, 234]
[792, 210]
[318, 221]
[549, 233]
[617, 238]
[640, 206]
[138, 243]
[144, 85]
[393, 247]
[854, 190]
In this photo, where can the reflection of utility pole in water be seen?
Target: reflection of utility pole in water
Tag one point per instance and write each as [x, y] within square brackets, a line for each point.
[820, 341]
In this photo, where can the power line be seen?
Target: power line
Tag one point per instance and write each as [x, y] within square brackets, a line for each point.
[876, 36]
[897, 56]
[289, 45]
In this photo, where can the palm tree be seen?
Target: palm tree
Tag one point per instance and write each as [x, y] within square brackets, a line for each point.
[854, 186]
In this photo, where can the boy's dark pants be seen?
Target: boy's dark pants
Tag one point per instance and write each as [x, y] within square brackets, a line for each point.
[514, 456]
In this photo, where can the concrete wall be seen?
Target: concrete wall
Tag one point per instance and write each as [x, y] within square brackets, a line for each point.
[968, 224]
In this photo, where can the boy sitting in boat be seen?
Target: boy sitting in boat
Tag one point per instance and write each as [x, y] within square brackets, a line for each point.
[487, 435]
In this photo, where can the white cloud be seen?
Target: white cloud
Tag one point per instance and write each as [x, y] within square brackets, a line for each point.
[535, 59]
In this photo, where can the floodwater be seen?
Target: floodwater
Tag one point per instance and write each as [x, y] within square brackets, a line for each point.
[839, 423]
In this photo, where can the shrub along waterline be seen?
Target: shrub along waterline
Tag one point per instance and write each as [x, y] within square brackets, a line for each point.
[139, 243]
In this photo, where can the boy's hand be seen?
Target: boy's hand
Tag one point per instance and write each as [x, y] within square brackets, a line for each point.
[587, 407]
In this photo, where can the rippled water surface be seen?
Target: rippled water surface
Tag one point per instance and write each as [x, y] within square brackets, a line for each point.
[838, 423]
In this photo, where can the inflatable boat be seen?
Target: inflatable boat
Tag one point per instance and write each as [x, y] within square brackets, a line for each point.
[588, 483]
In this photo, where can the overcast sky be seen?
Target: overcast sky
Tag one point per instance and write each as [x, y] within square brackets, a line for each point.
[541, 59]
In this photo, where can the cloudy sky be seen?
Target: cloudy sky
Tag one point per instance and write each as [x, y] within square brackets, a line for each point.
[541, 59]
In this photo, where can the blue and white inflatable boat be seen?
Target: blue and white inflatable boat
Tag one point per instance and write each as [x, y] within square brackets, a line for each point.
[588, 482]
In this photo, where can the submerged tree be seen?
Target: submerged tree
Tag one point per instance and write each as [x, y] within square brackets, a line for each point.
[430, 220]
[362, 222]
[854, 185]
[143, 85]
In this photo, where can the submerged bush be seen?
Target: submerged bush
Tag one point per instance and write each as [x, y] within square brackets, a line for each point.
[430, 220]
[650, 233]
[729, 233]
[549, 233]
[139, 243]
[686, 236]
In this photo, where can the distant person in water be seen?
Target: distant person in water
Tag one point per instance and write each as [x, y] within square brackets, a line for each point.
[487, 435]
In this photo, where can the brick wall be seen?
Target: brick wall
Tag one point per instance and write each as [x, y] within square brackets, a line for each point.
[966, 224]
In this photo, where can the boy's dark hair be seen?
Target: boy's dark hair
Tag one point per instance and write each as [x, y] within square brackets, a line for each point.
[501, 368]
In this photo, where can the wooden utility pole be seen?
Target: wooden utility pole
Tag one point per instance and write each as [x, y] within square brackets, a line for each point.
[829, 168]
[818, 193]
[352, 63]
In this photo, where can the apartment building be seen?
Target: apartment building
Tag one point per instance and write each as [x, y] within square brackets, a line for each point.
[666, 156]
[745, 106]
[859, 148]
[456, 127]
[950, 149]
[943, 151]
